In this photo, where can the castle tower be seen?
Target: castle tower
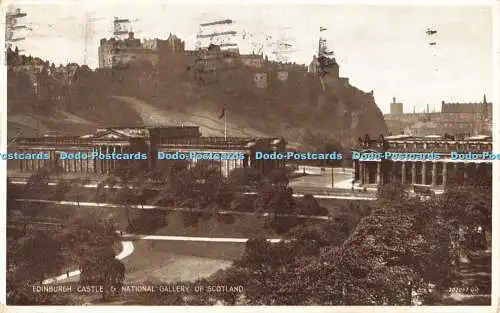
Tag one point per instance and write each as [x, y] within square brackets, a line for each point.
[396, 107]
[326, 59]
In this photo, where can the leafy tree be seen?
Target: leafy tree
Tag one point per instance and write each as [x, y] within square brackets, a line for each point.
[469, 207]
[278, 176]
[34, 256]
[12, 194]
[103, 270]
[241, 203]
[399, 248]
[392, 192]
[308, 205]
[90, 239]
[76, 187]
[62, 189]
[264, 264]
[244, 177]
[37, 184]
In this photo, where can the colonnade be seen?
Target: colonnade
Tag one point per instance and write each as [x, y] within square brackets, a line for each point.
[88, 165]
[433, 173]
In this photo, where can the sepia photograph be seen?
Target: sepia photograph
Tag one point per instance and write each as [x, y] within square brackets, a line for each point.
[170, 154]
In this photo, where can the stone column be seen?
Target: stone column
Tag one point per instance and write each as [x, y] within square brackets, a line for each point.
[121, 150]
[108, 162]
[21, 163]
[85, 164]
[114, 161]
[81, 163]
[445, 172]
[434, 173]
[101, 171]
[413, 172]
[94, 162]
[403, 172]
[361, 173]
[424, 173]
[368, 172]
[379, 173]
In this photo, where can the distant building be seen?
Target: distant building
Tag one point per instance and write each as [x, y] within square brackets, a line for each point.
[483, 107]
[260, 80]
[252, 60]
[454, 118]
[331, 72]
[331, 66]
[20, 63]
[314, 65]
[396, 107]
[116, 53]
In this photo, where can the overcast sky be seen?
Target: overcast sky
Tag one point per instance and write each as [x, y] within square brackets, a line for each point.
[383, 48]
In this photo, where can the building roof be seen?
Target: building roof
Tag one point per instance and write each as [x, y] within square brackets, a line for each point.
[398, 137]
[433, 136]
[479, 137]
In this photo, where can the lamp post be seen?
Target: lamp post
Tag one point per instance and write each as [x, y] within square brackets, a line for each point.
[332, 178]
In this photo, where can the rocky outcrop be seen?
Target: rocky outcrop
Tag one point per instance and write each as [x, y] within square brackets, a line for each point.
[297, 107]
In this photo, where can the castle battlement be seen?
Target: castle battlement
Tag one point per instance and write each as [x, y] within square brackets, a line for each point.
[131, 48]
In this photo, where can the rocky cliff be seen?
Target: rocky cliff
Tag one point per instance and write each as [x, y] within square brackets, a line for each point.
[298, 108]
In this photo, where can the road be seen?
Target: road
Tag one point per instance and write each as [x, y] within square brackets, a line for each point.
[322, 179]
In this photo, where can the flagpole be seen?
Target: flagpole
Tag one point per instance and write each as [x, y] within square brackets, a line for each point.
[225, 125]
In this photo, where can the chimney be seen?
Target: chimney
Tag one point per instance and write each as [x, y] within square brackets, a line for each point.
[484, 98]
[131, 35]
[393, 99]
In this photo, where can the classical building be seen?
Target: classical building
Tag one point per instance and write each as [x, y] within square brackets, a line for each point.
[429, 172]
[145, 144]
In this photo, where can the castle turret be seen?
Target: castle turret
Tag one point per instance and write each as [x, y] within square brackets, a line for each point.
[396, 107]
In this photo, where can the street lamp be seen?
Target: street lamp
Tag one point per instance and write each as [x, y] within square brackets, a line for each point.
[332, 177]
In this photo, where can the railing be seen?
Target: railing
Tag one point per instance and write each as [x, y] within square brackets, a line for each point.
[213, 142]
[62, 141]
[429, 146]
[208, 140]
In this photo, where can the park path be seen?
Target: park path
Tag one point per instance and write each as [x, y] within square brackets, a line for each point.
[197, 239]
[324, 193]
[127, 249]
[156, 207]
[475, 281]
